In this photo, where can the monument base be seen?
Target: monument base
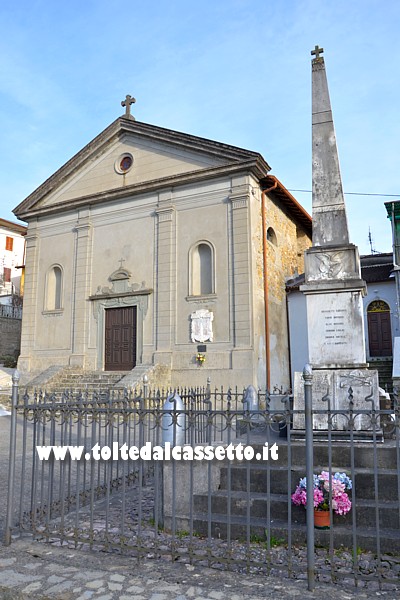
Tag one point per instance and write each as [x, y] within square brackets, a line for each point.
[349, 396]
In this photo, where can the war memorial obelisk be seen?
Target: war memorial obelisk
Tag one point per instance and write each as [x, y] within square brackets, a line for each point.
[333, 285]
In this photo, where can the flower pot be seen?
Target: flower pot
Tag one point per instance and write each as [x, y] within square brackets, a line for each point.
[322, 519]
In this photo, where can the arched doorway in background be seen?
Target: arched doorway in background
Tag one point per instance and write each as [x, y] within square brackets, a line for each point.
[379, 329]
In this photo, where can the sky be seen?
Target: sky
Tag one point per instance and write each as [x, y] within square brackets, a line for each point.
[235, 71]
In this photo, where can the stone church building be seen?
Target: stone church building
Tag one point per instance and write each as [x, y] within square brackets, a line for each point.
[161, 252]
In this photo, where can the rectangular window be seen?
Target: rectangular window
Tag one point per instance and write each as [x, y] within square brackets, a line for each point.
[7, 275]
[9, 243]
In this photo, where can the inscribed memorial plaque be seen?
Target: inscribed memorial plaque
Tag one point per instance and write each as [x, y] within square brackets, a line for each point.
[202, 326]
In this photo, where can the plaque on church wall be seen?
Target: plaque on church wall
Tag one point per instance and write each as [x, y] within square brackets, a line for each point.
[201, 330]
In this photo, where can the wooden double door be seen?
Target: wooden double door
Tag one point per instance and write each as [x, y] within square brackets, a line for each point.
[120, 338]
[379, 329]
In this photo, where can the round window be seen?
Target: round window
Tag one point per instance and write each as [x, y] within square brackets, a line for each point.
[124, 163]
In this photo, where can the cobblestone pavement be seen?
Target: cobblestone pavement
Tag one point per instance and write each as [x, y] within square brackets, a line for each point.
[30, 570]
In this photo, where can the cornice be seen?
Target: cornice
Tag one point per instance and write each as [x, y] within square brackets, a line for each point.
[176, 138]
[145, 292]
[120, 127]
[255, 166]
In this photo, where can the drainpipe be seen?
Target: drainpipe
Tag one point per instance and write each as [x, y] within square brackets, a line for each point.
[266, 313]
[396, 266]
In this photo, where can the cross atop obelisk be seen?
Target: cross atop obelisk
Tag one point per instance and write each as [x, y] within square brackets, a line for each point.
[316, 52]
[127, 103]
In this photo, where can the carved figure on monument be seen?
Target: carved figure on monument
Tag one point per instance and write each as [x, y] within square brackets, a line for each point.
[202, 326]
[330, 264]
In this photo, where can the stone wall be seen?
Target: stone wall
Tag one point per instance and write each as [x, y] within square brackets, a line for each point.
[10, 336]
[285, 258]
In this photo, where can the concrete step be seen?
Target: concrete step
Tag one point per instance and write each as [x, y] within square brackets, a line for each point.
[134, 378]
[340, 454]
[257, 504]
[342, 534]
[254, 479]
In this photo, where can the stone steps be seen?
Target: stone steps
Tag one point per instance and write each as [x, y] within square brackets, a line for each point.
[257, 487]
[384, 367]
[388, 509]
[257, 481]
[58, 380]
[342, 534]
[340, 454]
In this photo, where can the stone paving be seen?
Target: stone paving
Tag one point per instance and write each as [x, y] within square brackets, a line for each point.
[30, 570]
[197, 548]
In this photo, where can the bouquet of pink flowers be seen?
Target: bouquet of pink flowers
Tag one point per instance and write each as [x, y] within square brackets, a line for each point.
[339, 484]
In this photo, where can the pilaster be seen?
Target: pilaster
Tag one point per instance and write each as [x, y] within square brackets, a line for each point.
[29, 313]
[242, 331]
[81, 288]
[165, 277]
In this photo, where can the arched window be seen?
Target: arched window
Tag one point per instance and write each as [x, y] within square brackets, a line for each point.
[202, 270]
[271, 236]
[54, 288]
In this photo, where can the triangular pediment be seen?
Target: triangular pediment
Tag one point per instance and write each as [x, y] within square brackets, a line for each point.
[152, 155]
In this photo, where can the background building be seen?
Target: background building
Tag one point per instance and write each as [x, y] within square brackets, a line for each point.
[12, 256]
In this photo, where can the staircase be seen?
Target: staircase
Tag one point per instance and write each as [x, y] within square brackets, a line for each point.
[253, 485]
[384, 366]
[59, 379]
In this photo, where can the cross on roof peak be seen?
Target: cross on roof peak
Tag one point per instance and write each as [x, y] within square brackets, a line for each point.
[127, 103]
[316, 52]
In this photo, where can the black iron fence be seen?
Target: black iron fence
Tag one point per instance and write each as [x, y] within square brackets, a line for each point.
[132, 480]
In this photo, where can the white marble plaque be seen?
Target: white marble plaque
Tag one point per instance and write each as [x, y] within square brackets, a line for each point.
[336, 384]
[322, 383]
[202, 326]
[335, 329]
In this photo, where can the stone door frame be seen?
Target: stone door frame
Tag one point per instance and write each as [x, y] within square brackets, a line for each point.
[99, 307]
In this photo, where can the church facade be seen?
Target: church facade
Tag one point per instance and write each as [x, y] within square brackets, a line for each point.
[156, 248]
